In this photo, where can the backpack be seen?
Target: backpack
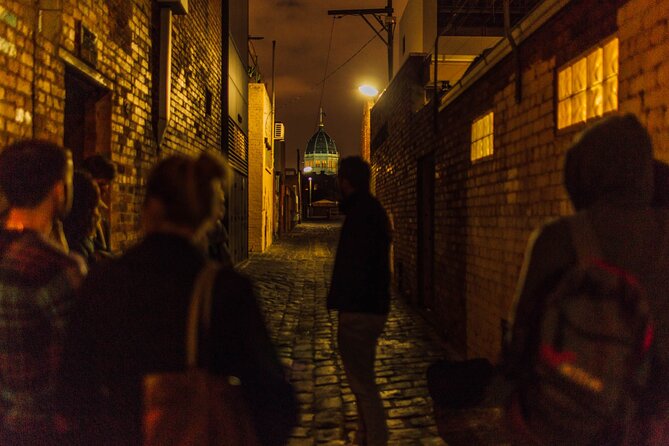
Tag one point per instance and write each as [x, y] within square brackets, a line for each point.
[591, 359]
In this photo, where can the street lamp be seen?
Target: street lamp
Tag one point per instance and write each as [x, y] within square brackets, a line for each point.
[368, 90]
[370, 94]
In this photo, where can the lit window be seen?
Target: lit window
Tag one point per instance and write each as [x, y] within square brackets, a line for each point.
[482, 142]
[588, 87]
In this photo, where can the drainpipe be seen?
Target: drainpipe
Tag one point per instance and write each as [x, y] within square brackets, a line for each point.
[165, 78]
[514, 50]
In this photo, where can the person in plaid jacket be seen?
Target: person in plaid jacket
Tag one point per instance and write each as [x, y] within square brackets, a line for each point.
[37, 291]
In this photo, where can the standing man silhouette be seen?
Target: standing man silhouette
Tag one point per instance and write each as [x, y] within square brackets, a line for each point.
[360, 293]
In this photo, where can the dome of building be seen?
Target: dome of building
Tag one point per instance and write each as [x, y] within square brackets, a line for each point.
[321, 154]
[321, 143]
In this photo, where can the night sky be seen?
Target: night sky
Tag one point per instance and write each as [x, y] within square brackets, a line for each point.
[302, 31]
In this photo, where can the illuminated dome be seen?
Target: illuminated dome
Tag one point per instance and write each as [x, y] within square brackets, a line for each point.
[321, 153]
[321, 142]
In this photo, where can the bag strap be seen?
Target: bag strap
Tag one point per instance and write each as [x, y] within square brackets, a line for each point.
[583, 238]
[200, 308]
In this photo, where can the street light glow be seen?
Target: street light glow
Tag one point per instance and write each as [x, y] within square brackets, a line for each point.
[368, 90]
[307, 169]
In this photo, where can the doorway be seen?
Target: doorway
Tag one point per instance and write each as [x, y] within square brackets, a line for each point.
[87, 130]
[425, 200]
[87, 117]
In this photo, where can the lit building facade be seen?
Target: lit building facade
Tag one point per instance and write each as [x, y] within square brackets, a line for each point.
[261, 168]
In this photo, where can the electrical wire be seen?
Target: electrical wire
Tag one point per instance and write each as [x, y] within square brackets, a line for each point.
[325, 72]
[348, 60]
[328, 76]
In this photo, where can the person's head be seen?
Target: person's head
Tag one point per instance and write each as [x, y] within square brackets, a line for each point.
[612, 161]
[83, 218]
[184, 193]
[101, 169]
[35, 172]
[353, 175]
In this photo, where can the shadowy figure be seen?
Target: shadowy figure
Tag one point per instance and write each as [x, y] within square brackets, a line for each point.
[81, 223]
[360, 292]
[103, 172]
[132, 320]
[609, 177]
[37, 287]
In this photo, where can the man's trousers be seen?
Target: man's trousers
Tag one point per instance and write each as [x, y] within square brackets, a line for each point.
[357, 337]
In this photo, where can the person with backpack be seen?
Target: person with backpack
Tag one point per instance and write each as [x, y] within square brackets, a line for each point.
[590, 321]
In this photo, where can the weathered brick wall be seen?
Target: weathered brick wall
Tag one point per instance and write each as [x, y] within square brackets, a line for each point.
[127, 45]
[643, 28]
[485, 210]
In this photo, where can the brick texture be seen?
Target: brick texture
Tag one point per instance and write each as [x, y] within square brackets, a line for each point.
[260, 168]
[485, 210]
[33, 65]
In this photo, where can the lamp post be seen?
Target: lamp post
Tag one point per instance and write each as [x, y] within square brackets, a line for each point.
[370, 94]
[305, 171]
[310, 179]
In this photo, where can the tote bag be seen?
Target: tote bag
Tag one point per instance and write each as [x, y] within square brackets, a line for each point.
[195, 407]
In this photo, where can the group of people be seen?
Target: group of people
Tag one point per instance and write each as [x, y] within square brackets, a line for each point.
[75, 346]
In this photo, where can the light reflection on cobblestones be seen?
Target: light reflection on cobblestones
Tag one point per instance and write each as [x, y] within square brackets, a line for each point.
[292, 279]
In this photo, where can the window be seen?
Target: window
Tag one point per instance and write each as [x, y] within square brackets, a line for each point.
[588, 86]
[482, 142]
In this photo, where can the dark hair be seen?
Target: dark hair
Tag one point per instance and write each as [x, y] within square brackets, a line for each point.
[79, 222]
[184, 187]
[611, 159]
[29, 169]
[100, 167]
[356, 171]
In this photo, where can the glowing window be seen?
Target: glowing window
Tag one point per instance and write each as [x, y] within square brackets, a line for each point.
[482, 133]
[587, 88]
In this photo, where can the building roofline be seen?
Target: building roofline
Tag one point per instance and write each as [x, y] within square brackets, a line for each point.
[541, 14]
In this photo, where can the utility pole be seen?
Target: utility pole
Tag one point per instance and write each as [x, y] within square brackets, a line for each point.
[299, 188]
[387, 24]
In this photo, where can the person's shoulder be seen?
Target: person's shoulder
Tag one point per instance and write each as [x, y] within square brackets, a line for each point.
[553, 235]
[232, 280]
[369, 205]
[41, 260]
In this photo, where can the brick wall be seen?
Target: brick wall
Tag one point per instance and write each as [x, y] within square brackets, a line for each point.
[485, 210]
[33, 79]
[260, 174]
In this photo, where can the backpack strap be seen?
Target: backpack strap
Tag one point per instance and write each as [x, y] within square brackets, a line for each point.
[199, 312]
[583, 238]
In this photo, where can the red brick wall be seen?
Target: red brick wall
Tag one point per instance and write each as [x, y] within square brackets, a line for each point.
[485, 210]
[127, 46]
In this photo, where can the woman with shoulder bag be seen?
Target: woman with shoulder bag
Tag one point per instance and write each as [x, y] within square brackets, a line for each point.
[168, 348]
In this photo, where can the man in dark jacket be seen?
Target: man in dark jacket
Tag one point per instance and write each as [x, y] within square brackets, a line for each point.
[360, 292]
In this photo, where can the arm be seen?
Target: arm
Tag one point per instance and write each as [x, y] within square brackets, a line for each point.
[242, 347]
[548, 255]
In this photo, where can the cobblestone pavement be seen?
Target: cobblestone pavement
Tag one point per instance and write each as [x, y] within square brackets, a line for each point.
[292, 279]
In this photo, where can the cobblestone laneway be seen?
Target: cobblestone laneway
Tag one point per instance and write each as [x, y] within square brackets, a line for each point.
[292, 279]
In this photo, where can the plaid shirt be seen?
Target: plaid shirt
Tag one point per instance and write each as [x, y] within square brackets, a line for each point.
[37, 284]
